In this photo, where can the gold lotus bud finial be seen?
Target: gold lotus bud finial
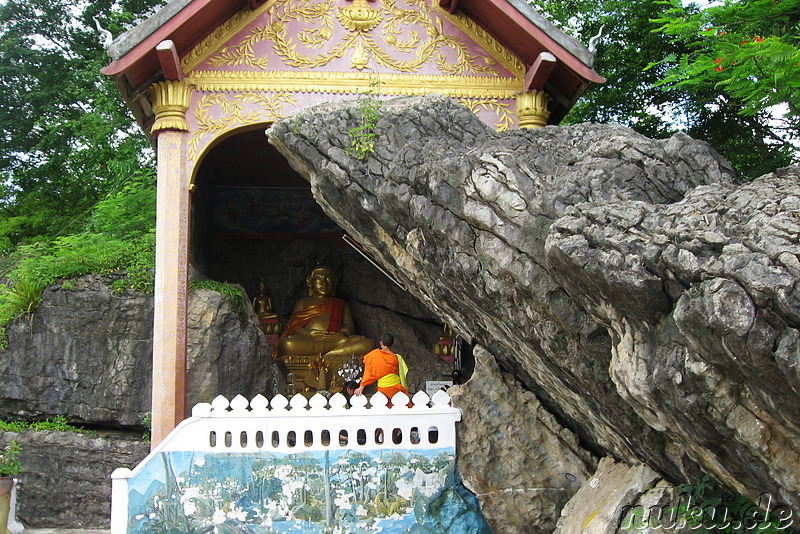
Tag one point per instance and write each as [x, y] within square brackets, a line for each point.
[170, 102]
[359, 16]
[532, 109]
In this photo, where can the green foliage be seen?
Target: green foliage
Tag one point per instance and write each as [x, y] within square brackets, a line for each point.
[58, 423]
[635, 56]
[705, 507]
[68, 285]
[147, 421]
[24, 295]
[87, 253]
[119, 286]
[10, 464]
[119, 236]
[129, 211]
[746, 49]
[720, 510]
[66, 139]
[745, 53]
[362, 137]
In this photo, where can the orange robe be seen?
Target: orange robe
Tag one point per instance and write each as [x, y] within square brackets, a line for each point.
[377, 364]
[332, 305]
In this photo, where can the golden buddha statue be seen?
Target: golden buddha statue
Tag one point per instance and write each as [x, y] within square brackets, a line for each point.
[319, 335]
[262, 305]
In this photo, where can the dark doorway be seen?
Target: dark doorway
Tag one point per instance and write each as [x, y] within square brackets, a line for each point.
[254, 217]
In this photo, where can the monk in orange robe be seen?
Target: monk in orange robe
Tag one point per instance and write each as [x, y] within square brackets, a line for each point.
[383, 366]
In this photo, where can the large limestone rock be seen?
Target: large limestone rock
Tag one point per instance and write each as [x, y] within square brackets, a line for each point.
[513, 455]
[647, 300]
[86, 353]
[599, 505]
[66, 477]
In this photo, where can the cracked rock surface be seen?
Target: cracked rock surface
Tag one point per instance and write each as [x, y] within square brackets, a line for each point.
[645, 300]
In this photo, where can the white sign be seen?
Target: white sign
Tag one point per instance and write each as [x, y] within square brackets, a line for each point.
[432, 386]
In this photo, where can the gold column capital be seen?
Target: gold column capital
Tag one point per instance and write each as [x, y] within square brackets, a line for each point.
[532, 109]
[170, 102]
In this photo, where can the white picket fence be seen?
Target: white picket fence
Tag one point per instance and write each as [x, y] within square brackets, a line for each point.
[299, 425]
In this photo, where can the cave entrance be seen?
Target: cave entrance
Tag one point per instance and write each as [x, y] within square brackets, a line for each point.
[254, 218]
[249, 211]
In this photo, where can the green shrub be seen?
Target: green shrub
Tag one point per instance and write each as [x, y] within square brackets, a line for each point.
[68, 285]
[362, 137]
[59, 423]
[120, 237]
[147, 421]
[25, 294]
[720, 510]
[10, 464]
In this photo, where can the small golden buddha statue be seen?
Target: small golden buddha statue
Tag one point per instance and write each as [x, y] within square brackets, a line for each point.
[321, 324]
[262, 305]
[445, 345]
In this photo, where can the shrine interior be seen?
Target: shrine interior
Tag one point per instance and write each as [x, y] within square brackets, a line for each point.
[254, 219]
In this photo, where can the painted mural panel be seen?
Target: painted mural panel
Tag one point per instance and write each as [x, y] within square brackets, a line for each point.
[395, 491]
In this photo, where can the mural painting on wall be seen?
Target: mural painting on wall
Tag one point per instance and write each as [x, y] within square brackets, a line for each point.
[264, 212]
[323, 492]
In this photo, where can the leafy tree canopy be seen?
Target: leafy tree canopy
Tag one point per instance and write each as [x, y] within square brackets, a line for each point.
[747, 50]
[66, 139]
[662, 78]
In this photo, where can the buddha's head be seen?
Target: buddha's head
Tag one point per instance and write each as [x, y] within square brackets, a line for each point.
[322, 281]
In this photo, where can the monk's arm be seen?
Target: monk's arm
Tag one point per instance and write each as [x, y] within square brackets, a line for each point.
[370, 375]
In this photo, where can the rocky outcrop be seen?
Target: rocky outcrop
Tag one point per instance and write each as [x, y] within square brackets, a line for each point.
[520, 463]
[702, 306]
[65, 481]
[646, 299]
[601, 503]
[86, 353]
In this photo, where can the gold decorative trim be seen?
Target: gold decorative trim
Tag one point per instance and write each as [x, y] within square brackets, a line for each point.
[532, 110]
[362, 25]
[359, 16]
[486, 41]
[505, 117]
[355, 83]
[221, 35]
[234, 111]
[170, 102]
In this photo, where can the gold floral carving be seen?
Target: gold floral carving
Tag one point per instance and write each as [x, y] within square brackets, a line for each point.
[355, 83]
[378, 33]
[505, 118]
[486, 41]
[222, 34]
[233, 111]
[359, 16]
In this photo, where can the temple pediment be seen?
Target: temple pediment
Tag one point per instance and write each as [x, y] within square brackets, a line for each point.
[388, 37]
[281, 55]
